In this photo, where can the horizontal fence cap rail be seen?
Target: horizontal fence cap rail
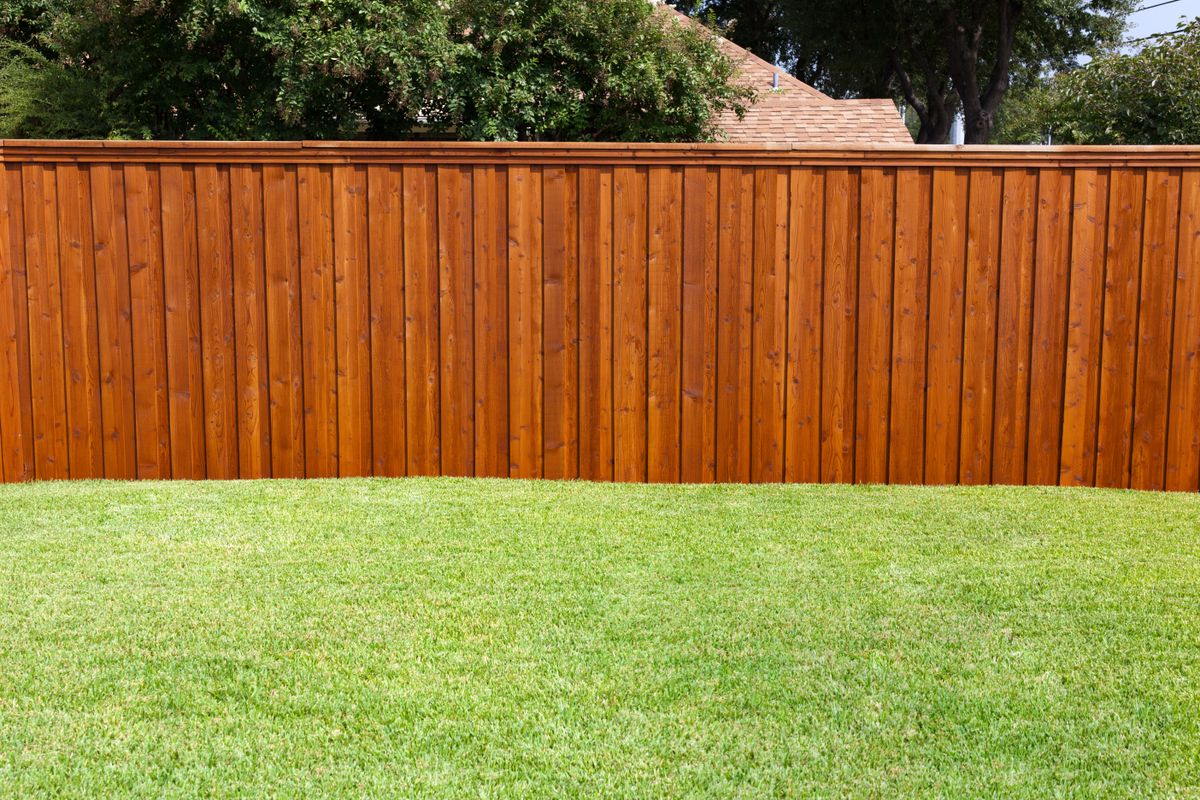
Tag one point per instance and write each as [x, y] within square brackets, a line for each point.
[359, 152]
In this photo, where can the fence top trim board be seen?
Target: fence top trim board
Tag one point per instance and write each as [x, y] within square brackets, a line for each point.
[357, 152]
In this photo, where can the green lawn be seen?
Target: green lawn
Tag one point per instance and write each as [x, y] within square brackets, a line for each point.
[450, 638]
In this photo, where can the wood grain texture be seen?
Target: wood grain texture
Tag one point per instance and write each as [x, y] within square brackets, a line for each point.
[806, 265]
[947, 299]
[1085, 320]
[595, 323]
[1156, 309]
[642, 313]
[1183, 434]
[876, 249]
[385, 213]
[629, 323]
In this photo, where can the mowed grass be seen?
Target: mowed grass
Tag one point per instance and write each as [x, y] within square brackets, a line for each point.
[452, 638]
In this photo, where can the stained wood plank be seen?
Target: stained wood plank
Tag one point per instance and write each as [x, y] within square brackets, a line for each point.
[423, 398]
[769, 334]
[735, 308]
[947, 293]
[560, 281]
[1123, 254]
[114, 333]
[1014, 326]
[1047, 361]
[629, 323]
[318, 322]
[47, 380]
[910, 328]
[525, 321]
[285, 338]
[218, 336]
[1183, 432]
[1156, 308]
[250, 322]
[665, 320]
[596, 323]
[385, 198]
[457, 299]
[1081, 385]
[143, 215]
[840, 288]
[877, 232]
[490, 187]
[181, 290]
[805, 322]
[81, 347]
[16, 411]
[352, 303]
[698, 412]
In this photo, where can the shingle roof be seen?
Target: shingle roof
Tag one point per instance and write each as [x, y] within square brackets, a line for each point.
[796, 113]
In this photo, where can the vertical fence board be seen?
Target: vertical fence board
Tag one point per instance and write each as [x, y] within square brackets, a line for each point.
[840, 288]
[1118, 351]
[47, 382]
[665, 327]
[947, 293]
[181, 277]
[698, 402]
[525, 321]
[16, 411]
[113, 322]
[1014, 324]
[735, 301]
[979, 326]
[629, 323]
[385, 197]
[143, 208]
[1156, 308]
[81, 349]
[285, 350]
[1183, 433]
[1085, 304]
[804, 326]
[421, 340]
[596, 323]
[456, 314]
[250, 321]
[1047, 361]
[218, 340]
[877, 233]
[560, 330]
[352, 304]
[315, 193]
[906, 454]
[769, 335]
[490, 185]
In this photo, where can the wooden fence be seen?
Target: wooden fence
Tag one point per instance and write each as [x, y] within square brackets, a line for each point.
[633, 313]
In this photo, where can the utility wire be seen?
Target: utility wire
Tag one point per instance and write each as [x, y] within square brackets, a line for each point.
[1156, 5]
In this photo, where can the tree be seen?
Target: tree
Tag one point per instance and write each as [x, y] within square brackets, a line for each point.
[478, 69]
[1148, 97]
[940, 56]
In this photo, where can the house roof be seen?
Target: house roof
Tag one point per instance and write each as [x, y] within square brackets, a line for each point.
[796, 113]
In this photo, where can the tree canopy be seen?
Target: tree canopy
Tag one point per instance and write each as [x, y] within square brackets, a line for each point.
[940, 56]
[473, 69]
[1148, 97]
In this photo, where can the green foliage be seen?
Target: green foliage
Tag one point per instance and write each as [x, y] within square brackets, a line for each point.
[1148, 97]
[475, 69]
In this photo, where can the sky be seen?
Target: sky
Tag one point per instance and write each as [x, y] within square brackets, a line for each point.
[1163, 18]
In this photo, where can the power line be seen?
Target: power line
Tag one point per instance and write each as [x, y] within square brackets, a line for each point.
[1156, 5]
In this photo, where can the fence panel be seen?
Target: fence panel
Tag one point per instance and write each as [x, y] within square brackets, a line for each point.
[608, 312]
